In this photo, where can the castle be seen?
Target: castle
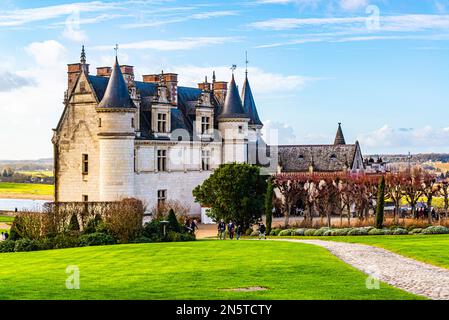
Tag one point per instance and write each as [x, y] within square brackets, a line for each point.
[154, 140]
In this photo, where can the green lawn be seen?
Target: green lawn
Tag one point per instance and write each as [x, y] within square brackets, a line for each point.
[26, 189]
[432, 249]
[193, 270]
[6, 219]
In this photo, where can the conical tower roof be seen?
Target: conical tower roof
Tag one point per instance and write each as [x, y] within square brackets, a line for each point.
[116, 95]
[233, 107]
[249, 106]
[339, 138]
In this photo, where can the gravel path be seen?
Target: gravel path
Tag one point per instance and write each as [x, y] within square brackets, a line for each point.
[404, 273]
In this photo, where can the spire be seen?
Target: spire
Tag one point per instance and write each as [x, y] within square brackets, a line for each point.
[233, 107]
[213, 77]
[246, 63]
[249, 105]
[116, 95]
[339, 138]
[83, 55]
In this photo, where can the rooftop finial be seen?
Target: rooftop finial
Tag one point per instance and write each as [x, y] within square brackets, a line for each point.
[246, 62]
[83, 55]
[213, 77]
[234, 66]
[116, 50]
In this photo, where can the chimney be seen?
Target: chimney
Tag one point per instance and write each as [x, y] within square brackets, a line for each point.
[204, 86]
[220, 89]
[128, 74]
[171, 82]
[104, 71]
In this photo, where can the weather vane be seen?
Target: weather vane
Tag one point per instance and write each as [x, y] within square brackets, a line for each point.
[234, 66]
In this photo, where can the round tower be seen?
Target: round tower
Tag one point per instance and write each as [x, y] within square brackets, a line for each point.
[116, 121]
[233, 126]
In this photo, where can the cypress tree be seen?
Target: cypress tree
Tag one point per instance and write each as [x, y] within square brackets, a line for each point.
[269, 205]
[173, 221]
[74, 224]
[380, 203]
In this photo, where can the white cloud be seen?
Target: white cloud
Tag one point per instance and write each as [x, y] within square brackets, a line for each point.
[353, 4]
[403, 139]
[172, 45]
[33, 110]
[278, 133]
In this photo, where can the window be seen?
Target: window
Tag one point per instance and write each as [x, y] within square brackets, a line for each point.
[85, 198]
[85, 164]
[205, 160]
[132, 122]
[99, 122]
[161, 197]
[162, 160]
[162, 122]
[334, 157]
[240, 129]
[205, 124]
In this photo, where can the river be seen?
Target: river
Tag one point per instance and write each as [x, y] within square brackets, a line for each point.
[21, 204]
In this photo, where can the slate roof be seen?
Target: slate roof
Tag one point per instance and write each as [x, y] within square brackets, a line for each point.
[116, 94]
[324, 158]
[232, 107]
[249, 105]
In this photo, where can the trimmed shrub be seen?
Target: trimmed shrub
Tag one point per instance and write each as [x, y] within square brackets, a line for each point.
[45, 244]
[173, 223]
[249, 231]
[358, 232]
[341, 232]
[328, 233]
[7, 246]
[286, 233]
[300, 232]
[416, 231]
[400, 231]
[320, 232]
[25, 245]
[309, 232]
[74, 224]
[65, 240]
[96, 239]
[254, 234]
[92, 224]
[436, 230]
[376, 232]
[142, 239]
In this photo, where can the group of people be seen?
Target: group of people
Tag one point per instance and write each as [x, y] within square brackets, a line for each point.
[4, 236]
[190, 226]
[236, 231]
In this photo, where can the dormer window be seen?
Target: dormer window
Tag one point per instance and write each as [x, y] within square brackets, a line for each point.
[301, 157]
[334, 157]
[162, 122]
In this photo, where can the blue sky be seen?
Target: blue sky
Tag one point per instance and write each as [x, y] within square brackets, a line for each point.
[379, 67]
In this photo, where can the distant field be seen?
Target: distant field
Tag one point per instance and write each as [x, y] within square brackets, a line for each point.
[25, 189]
[6, 219]
[37, 174]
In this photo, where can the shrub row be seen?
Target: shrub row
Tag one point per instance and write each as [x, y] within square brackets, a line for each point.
[364, 231]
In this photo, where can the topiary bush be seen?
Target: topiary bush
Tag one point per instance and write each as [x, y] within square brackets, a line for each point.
[436, 230]
[65, 240]
[309, 232]
[358, 232]
[376, 232]
[142, 239]
[341, 232]
[96, 239]
[416, 231]
[328, 233]
[7, 246]
[300, 232]
[286, 233]
[320, 232]
[400, 231]
[25, 245]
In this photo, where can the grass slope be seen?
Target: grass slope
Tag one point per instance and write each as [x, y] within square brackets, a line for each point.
[8, 188]
[194, 270]
[432, 249]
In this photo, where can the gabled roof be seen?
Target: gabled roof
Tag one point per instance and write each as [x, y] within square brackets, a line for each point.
[339, 137]
[116, 94]
[323, 158]
[249, 105]
[233, 107]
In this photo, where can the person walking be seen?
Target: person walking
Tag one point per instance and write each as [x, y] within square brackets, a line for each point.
[6, 236]
[2, 236]
[262, 231]
[238, 231]
[193, 226]
[222, 230]
[231, 229]
[187, 227]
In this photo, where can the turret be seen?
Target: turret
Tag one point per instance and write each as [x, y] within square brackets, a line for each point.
[339, 137]
[233, 126]
[116, 122]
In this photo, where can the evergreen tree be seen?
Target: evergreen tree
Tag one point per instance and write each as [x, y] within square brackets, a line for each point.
[380, 204]
[269, 205]
[74, 224]
[173, 223]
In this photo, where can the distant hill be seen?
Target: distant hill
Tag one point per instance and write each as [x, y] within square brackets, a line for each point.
[28, 165]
